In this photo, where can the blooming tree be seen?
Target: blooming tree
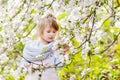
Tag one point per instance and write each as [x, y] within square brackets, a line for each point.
[90, 27]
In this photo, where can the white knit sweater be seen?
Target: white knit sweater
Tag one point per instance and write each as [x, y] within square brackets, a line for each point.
[43, 54]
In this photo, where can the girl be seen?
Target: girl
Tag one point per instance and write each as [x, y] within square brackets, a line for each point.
[42, 52]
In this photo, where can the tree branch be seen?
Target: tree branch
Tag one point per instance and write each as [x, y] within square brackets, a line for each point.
[19, 9]
[110, 44]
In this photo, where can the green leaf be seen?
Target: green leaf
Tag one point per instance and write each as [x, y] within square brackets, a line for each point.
[35, 0]
[33, 11]
[29, 27]
[118, 49]
[10, 19]
[19, 35]
[10, 78]
[0, 29]
[62, 16]
[31, 20]
[66, 2]
[106, 25]
[1, 38]
[76, 43]
[45, 50]
[22, 77]
[118, 46]
[115, 29]
[19, 46]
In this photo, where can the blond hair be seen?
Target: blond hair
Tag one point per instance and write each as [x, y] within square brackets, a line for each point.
[48, 21]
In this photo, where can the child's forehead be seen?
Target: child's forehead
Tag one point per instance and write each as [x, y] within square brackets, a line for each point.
[49, 28]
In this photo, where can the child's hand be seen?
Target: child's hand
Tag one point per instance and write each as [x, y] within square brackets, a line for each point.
[60, 45]
[65, 48]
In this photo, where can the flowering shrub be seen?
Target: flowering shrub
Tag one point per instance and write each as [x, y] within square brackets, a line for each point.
[90, 27]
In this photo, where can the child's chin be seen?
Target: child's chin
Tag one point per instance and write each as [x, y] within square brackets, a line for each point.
[50, 41]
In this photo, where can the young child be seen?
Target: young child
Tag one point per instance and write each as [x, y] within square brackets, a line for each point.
[42, 52]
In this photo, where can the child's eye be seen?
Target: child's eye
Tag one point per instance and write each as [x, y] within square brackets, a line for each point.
[54, 31]
[48, 31]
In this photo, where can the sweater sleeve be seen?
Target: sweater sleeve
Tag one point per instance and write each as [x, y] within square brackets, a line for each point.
[34, 51]
[59, 60]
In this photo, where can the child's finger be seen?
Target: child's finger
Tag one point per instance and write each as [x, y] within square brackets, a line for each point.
[66, 49]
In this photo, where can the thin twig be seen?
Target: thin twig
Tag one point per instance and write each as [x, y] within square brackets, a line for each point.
[110, 44]
[22, 17]
[30, 31]
[19, 9]
[89, 54]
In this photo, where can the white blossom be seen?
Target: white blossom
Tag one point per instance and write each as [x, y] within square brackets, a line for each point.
[85, 50]
[75, 14]
[63, 23]
[2, 77]
[84, 25]
[85, 72]
[33, 76]
[48, 1]
[93, 41]
[6, 69]
[3, 58]
[97, 25]
[72, 77]
[100, 34]
[117, 24]
[56, 6]
[12, 13]
[66, 57]
[15, 73]
[96, 50]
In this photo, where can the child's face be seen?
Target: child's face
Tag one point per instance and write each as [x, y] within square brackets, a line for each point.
[48, 35]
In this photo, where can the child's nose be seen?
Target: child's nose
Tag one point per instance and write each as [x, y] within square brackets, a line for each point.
[52, 34]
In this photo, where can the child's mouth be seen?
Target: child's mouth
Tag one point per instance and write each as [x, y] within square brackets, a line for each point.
[50, 38]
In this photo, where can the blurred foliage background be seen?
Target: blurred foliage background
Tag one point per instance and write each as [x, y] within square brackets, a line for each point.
[90, 27]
